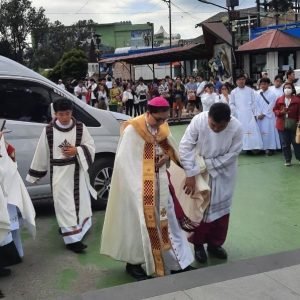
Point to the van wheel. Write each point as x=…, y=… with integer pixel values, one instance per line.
x=100, y=177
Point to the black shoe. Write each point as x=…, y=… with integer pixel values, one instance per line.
x=188, y=268
x=77, y=247
x=200, y=254
x=9, y=255
x=1, y=295
x=137, y=272
x=4, y=272
x=217, y=251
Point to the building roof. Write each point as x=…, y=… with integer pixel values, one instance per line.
x=271, y=40
x=218, y=30
x=187, y=52
x=224, y=14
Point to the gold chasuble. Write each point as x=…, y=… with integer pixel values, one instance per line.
x=150, y=189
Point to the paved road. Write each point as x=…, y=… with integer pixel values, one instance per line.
x=265, y=220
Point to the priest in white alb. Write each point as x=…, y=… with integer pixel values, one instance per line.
x=217, y=137
x=143, y=223
x=265, y=102
x=243, y=107
x=67, y=148
x=16, y=209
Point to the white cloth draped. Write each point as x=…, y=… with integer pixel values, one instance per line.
x=14, y=190
x=125, y=236
x=243, y=107
x=267, y=127
x=220, y=152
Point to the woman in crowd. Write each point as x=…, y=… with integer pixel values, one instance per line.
x=178, y=92
x=224, y=94
x=208, y=98
x=115, y=96
x=102, y=97
x=127, y=99
x=287, y=112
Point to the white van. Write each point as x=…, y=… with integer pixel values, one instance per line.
x=25, y=99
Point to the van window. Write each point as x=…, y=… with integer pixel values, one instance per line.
x=24, y=101
x=78, y=113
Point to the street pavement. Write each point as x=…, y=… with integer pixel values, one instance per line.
x=264, y=221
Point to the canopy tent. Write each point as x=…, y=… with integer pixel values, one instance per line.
x=187, y=52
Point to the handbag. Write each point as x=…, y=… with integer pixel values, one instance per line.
x=290, y=124
x=125, y=97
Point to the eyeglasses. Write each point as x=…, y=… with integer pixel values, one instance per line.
x=159, y=120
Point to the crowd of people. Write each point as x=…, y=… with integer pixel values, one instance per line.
x=255, y=106
x=126, y=96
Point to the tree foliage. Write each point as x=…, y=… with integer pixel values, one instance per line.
x=73, y=65
x=280, y=5
x=18, y=20
x=58, y=39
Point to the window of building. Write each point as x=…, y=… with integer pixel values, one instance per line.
x=258, y=64
x=286, y=61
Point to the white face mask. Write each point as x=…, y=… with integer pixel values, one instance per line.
x=288, y=91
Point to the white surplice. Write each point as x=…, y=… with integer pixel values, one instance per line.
x=69, y=176
x=221, y=98
x=243, y=107
x=267, y=127
x=277, y=91
x=220, y=152
x=208, y=100
x=125, y=236
x=14, y=199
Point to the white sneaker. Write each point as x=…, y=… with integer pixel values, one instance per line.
x=287, y=164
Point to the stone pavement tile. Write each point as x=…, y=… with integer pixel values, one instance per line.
x=246, y=288
x=171, y=296
x=290, y=277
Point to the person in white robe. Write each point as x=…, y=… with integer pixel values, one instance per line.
x=141, y=226
x=217, y=137
x=277, y=88
x=224, y=96
x=265, y=102
x=243, y=107
x=67, y=148
x=208, y=98
x=16, y=209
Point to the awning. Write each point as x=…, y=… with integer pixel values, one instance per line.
x=188, y=52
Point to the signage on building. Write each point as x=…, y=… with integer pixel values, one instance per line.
x=292, y=29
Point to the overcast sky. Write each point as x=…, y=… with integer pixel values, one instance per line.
x=185, y=13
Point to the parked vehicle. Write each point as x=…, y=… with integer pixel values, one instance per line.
x=25, y=100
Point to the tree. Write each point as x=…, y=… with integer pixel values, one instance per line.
x=58, y=39
x=18, y=20
x=280, y=6
x=73, y=65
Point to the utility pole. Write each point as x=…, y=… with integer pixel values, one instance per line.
x=170, y=29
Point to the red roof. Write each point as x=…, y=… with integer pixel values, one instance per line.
x=272, y=39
